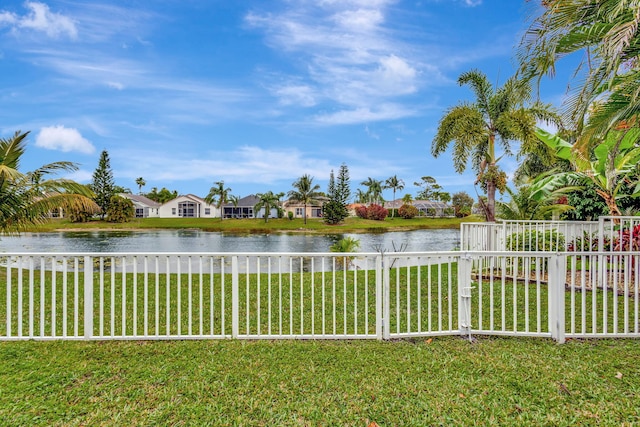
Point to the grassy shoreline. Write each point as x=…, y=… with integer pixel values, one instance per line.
x=282, y=225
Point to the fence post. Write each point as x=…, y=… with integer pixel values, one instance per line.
x=379, y=300
x=88, y=297
x=386, y=317
x=464, y=295
x=557, y=276
x=235, y=326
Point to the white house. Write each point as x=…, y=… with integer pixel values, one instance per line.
x=145, y=207
x=188, y=206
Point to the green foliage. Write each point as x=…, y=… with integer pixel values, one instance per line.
x=290, y=215
x=26, y=199
x=162, y=196
x=267, y=201
x=140, y=182
x=78, y=215
x=103, y=183
x=222, y=195
x=335, y=211
x=431, y=190
x=534, y=240
x=345, y=245
x=120, y=210
x=305, y=192
x=407, y=211
x=462, y=204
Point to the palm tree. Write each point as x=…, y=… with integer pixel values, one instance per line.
x=374, y=190
x=27, y=198
x=607, y=30
x=267, y=201
x=496, y=116
x=221, y=193
x=306, y=192
x=395, y=184
x=140, y=182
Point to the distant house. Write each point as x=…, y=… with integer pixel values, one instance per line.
x=145, y=207
x=188, y=206
x=297, y=208
x=246, y=209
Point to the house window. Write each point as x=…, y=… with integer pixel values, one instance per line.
x=187, y=209
x=316, y=212
x=207, y=211
x=298, y=211
x=139, y=213
x=173, y=211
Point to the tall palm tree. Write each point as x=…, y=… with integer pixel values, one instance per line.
x=28, y=198
x=267, y=201
x=222, y=195
x=395, y=184
x=374, y=190
x=498, y=116
x=140, y=182
x=305, y=192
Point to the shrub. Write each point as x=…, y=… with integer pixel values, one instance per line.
x=290, y=215
x=374, y=212
x=408, y=211
x=75, y=215
x=534, y=240
x=120, y=209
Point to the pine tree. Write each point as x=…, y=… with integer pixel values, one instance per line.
x=103, y=184
x=335, y=210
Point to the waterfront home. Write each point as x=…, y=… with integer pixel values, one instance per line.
x=188, y=206
x=144, y=207
x=245, y=208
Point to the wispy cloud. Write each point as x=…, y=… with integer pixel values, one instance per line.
x=63, y=139
x=347, y=56
x=39, y=18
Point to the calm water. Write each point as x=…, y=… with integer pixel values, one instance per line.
x=201, y=241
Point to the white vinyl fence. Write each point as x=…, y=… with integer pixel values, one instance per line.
x=106, y=296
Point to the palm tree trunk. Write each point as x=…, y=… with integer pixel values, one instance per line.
x=393, y=210
x=491, y=201
x=304, y=214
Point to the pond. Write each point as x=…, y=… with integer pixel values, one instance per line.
x=202, y=241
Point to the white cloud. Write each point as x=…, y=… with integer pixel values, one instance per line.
x=347, y=54
x=41, y=19
x=63, y=139
x=473, y=3
x=365, y=114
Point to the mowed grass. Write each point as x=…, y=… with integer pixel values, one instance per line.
x=440, y=381
x=350, y=225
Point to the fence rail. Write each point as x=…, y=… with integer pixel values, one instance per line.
x=319, y=296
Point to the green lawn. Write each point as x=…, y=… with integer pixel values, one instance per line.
x=350, y=225
x=444, y=381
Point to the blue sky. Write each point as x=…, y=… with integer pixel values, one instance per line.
x=256, y=92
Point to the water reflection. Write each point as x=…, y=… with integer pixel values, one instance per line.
x=179, y=241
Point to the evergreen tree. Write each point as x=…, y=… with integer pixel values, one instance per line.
x=342, y=186
x=335, y=210
x=103, y=184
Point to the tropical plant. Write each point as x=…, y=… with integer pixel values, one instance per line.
x=372, y=211
x=120, y=210
x=305, y=192
x=140, y=182
x=360, y=196
x=28, y=198
x=222, y=195
x=345, y=245
x=162, y=196
x=267, y=201
x=394, y=184
x=407, y=198
x=374, y=190
x=521, y=206
x=613, y=167
x=498, y=116
x=103, y=184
